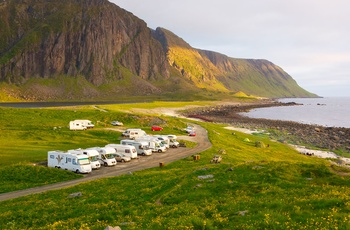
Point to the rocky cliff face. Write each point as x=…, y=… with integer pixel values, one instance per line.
x=92, y=49
x=93, y=38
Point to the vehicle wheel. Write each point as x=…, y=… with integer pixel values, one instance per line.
x=77, y=171
x=143, y=154
x=105, y=164
x=159, y=150
x=122, y=160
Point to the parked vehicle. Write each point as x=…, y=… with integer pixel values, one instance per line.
x=189, y=129
x=78, y=163
x=140, y=146
x=164, y=139
x=92, y=155
x=174, y=143
x=76, y=125
x=133, y=133
x=153, y=143
x=120, y=157
x=192, y=134
x=117, y=123
x=105, y=156
x=156, y=128
x=127, y=150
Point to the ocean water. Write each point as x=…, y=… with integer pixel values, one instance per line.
x=329, y=111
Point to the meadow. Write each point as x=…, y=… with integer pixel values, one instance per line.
x=252, y=188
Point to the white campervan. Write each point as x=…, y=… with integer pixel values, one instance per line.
x=105, y=155
x=133, y=133
x=80, y=125
x=76, y=125
x=173, y=141
x=127, y=150
x=153, y=143
x=164, y=139
x=78, y=163
x=140, y=146
x=92, y=155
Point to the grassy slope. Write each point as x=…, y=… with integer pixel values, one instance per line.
x=274, y=187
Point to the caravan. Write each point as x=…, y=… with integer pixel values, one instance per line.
x=92, y=155
x=153, y=143
x=78, y=163
x=140, y=146
x=105, y=155
x=133, y=133
x=170, y=140
x=164, y=139
x=127, y=150
x=80, y=125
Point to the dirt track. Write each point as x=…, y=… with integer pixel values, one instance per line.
x=142, y=163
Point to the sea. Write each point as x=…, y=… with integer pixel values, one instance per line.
x=327, y=111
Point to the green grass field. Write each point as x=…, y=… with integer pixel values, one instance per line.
x=252, y=188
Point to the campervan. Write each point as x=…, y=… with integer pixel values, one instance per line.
x=164, y=139
x=127, y=150
x=87, y=123
x=153, y=143
x=80, y=125
x=133, y=133
x=78, y=163
x=76, y=125
x=105, y=155
x=140, y=146
x=92, y=155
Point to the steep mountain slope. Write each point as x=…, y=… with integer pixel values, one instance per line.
x=91, y=38
x=94, y=50
x=216, y=71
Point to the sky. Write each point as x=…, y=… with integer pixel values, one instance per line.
x=309, y=39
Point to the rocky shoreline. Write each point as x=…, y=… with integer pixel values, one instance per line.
x=331, y=138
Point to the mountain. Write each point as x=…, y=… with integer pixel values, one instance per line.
x=94, y=50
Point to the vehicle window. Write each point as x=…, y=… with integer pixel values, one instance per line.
x=127, y=150
x=52, y=157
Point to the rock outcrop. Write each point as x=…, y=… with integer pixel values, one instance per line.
x=93, y=49
x=92, y=38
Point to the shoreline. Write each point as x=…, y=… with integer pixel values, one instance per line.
x=330, y=138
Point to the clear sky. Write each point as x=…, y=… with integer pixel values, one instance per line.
x=309, y=39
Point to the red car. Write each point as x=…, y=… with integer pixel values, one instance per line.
x=192, y=134
x=156, y=128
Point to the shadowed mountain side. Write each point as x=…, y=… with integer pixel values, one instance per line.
x=93, y=49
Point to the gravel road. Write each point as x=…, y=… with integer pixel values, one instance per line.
x=144, y=162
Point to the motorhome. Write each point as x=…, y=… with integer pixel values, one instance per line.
x=92, y=155
x=140, y=146
x=80, y=125
x=87, y=123
x=78, y=163
x=127, y=150
x=105, y=155
x=174, y=143
x=153, y=143
x=133, y=133
x=164, y=139
x=73, y=125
